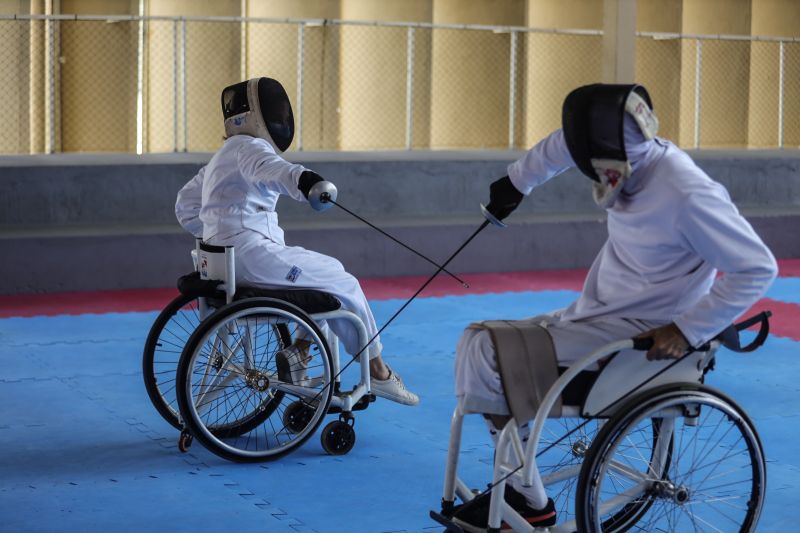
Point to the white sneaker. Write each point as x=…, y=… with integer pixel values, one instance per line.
x=292, y=365
x=392, y=388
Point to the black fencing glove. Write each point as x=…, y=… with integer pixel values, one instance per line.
x=503, y=198
x=318, y=191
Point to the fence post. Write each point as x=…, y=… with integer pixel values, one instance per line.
x=175, y=85
x=140, y=82
x=409, y=87
x=301, y=45
x=51, y=85
x=512, y=91
x=183, y=84
x=243, y=44
x=780, y=94
x=697, y=74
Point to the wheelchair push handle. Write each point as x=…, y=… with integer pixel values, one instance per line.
x=642, y=344
x=728, y=337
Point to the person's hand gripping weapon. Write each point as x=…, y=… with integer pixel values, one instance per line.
x=504, y=198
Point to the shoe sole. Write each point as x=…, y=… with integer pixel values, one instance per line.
x=392, y=398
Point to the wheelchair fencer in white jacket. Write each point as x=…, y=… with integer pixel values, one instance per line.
x=232, y=200
x=671, y=229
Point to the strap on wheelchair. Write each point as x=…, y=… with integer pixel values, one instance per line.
x=730, y=335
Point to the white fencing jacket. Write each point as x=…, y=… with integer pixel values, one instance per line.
x=238, y=190
x=231, y=202
x=669, y=232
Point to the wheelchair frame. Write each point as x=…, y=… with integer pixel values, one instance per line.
x=215, y=263
x=520, y=461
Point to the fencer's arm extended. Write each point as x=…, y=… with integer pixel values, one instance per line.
x=548, y=158
x=714, y=229
x=187, y=206
x=259, y=164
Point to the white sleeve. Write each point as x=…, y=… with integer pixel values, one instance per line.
x=262, y=166
x=714, y=229
x=548, y=158
x=187, y=206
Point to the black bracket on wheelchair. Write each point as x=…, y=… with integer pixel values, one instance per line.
x=192, y=285
x=730, y=335
x=360, y=405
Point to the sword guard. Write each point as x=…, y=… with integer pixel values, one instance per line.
x=491, y=218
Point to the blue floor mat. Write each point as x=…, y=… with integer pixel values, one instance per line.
x=83, y=449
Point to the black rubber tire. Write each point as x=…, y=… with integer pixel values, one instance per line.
x=195, y=427
x=153, y=342
x=338, y=437
x=297, y=415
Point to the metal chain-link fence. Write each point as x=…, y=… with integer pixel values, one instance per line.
x=723, y=91
x=152, y=84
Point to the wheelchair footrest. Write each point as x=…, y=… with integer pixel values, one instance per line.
x=360, y=405
x=446, y=522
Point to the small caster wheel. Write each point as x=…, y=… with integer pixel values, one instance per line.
x=297, y=416
x=185, y=441
x=338, y=437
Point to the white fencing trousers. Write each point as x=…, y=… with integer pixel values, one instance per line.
x=478, y=386
x=262, y=262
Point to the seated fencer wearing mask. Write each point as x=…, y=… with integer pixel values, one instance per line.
x=671, y=228
x=231, y=202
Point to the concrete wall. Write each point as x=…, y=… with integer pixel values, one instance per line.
x=82, y=222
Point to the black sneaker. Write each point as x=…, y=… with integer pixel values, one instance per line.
x=473, y=516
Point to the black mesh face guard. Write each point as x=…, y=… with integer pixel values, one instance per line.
x=276, y=109
x=259, y=107
x=234, y=100
x=593, y=123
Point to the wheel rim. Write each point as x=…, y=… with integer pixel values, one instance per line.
x=714, y=479
x=232, y=375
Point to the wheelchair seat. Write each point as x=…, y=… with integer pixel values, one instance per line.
x=309, y=300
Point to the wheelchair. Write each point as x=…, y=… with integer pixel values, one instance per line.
x=672, y=454
x=212, y=365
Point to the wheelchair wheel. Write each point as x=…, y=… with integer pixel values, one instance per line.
x=338, y=437
x=163, y=348
x=167, y=337
x=229, y=393
x=704, y=470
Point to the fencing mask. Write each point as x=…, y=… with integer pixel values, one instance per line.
x=259, y=107
x=593, y=120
